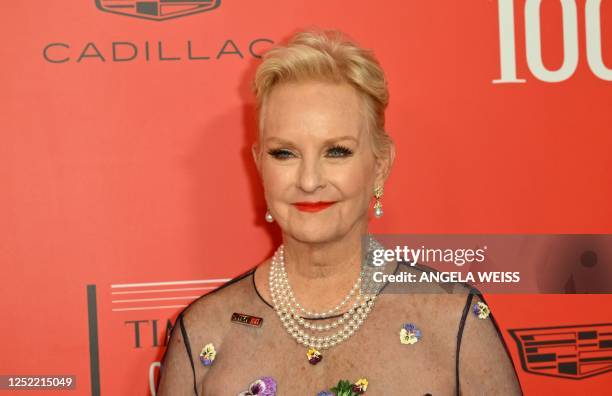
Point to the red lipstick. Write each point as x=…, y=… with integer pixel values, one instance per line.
x=313, y=206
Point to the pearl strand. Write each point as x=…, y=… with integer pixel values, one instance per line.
x=324, y=342
x=285, y=288
x=285, y=305
x=306, y=312
x=290, y=311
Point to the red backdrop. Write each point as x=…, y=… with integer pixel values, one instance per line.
x=136, y=170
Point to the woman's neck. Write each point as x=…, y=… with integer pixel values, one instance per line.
x=322, y=260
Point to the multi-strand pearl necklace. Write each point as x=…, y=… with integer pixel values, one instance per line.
x=291, y=312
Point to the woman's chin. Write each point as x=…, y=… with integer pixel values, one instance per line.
x=314, y=233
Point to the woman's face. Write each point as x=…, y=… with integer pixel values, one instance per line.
x=316, y=160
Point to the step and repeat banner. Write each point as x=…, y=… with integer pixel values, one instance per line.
x=127, y=188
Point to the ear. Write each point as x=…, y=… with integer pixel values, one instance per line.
x=384, y=164
x=256, y=156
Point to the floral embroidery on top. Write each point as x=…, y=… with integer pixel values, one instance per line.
x=360, y=386
x=314, y=356
x=346, y=388
x=208, y=354
x=409, y=334
x=481, y=310
x=264, y=386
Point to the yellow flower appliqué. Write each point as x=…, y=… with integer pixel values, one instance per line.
x=409, y=334
x=313, y=356
x=362, y=384
x=481, y=310
x=208, y=354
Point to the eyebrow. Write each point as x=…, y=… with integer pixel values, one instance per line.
x=327, y=141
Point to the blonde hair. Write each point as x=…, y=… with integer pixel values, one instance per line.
x=328, y=56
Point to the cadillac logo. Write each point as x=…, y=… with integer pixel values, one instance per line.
x=573, y=352
x=157, y=10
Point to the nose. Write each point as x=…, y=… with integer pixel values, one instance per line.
x=310, y=177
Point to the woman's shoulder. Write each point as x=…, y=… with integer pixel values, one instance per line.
x=202, y=323
x=207, y=311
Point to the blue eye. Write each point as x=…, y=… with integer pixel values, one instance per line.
x=339, y=152
x=280, y=153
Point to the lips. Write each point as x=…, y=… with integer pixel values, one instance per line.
x=313, y=206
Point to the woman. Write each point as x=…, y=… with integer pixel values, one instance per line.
x=310, y=317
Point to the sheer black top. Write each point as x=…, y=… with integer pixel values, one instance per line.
x=432, y=366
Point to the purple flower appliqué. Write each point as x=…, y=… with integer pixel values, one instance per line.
x=207, y=356
x=265, y=386
x=411, y=328
x=409, y=334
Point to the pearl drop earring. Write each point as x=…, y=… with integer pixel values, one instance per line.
x=269, y=217
x=378, y=193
